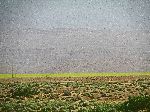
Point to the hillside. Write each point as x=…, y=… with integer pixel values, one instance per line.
x=74, y=50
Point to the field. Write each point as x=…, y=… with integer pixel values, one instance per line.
x=74, y=74
x=108, y=93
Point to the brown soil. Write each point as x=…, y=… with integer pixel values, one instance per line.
x=101, y=89
x=75, y=79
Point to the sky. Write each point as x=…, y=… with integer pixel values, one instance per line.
x=99, y=14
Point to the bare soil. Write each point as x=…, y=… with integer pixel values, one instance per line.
x=101, y=89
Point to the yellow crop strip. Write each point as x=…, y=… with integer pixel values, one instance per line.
x=75, y=74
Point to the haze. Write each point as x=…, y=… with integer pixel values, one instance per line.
x=47, y=36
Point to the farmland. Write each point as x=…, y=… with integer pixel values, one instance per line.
x=75, y=94
x=74, y=55
x=75, y=74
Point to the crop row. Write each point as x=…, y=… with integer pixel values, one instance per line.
x=104, y=96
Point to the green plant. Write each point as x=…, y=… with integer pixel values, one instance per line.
x=135, y=104
x=100, y=108
x=67, y=93
x=25, y=90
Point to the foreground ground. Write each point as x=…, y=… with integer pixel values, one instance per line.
x=71, y=94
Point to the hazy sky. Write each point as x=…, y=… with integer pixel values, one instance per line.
x=46, y=14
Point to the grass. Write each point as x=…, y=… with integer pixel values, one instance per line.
x=75, y=74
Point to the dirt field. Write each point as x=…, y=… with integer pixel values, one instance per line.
x=88, y=88
x=75, y=79
x=70, y=94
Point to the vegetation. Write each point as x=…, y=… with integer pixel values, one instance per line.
x=102, y=96
x=75, y=74
x=25, y=90
x=81, y=106
x=136, y=104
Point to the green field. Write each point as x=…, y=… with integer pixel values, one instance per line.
x=84, y=94
x=131, y=95
x=75, y=74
